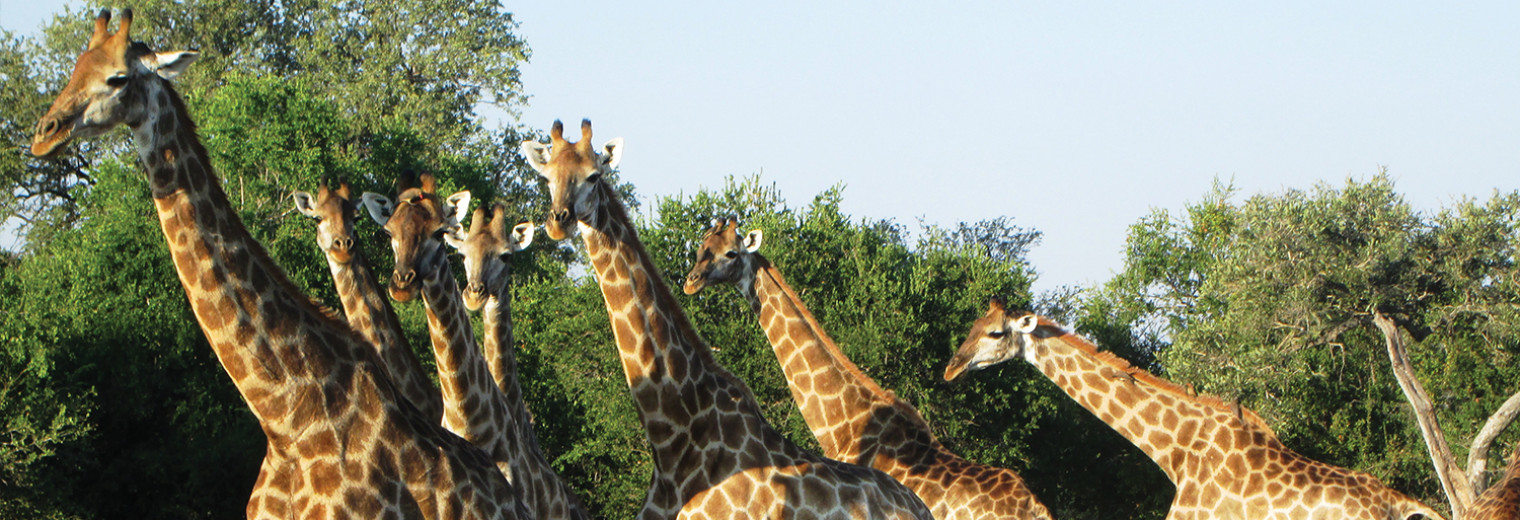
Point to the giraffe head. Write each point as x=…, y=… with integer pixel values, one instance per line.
x=723, y=256
x=108, y=87
x=998, y=336
x=416, y=223
x=574, y=173
x=484, y=246
x=334, y=211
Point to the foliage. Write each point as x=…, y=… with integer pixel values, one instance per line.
x=383, y=63
x=114, y=406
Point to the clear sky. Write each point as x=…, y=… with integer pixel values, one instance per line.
x=1073, y=119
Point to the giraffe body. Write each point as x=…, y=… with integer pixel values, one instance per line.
x=351, y=444
x=1502, y=500
x=1225, y=461
x=488, y=289
x=853, y=418
x=715, y=456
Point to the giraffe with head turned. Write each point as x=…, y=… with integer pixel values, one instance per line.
x=1225, y=461
x=321, y=395
x=416, y=222
x=1502, y=500
x=715, y=456
x=853, y=418
x=488, y=288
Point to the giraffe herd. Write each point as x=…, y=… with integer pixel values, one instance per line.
x=355, y=427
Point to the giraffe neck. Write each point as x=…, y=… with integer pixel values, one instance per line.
x=546, y=494
x=473, y=407
x=1174, y=429
x=691, y=408
x=498, y=342
x=370, y=314
x=272, y=341
x=846, y=410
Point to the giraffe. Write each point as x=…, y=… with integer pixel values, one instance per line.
x=368, y=311
x=714, y=455
x=474, y=408
x=1502, y=500
x=1225, y=461
x=853, y=418
x=488, y=289
x=319, y=393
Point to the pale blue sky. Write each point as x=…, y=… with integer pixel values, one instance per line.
x=1074, y=120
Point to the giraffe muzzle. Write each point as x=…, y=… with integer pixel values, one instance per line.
x=403, y=279
x=401, y=288
x=52, y=133
x=694, y=283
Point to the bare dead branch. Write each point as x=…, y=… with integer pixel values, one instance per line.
x=1477, y=458
x=1454, y=481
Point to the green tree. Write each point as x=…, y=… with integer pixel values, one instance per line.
x=383, y=63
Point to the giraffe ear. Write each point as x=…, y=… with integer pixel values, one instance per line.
x=458, y=206
x=169, y=65
x=380, y=207
x=613, y=154
x=537, y=155
x=752, y=241
x=306, y=204
x=1026, y=323
x=522, y=236
x=455, y=238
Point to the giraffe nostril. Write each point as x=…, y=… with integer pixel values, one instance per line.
x=406, y=277
x=49, y=126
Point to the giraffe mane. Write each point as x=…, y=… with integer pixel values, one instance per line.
x=833, y=349
x=1249, y=418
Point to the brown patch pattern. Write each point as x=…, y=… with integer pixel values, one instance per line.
x=341, y=440
x=714, y=454
x=853, y=418
x=1223, y=459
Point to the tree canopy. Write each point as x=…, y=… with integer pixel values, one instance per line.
x=115, y=407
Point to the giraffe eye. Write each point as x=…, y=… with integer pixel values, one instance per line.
x=593, y=177
x=731, y=254
x=117, y=81
x=996, y=334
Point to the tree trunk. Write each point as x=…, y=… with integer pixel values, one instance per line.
x=1454, y=481
x=1477, y=458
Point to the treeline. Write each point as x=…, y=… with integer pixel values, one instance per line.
x=115, y=407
